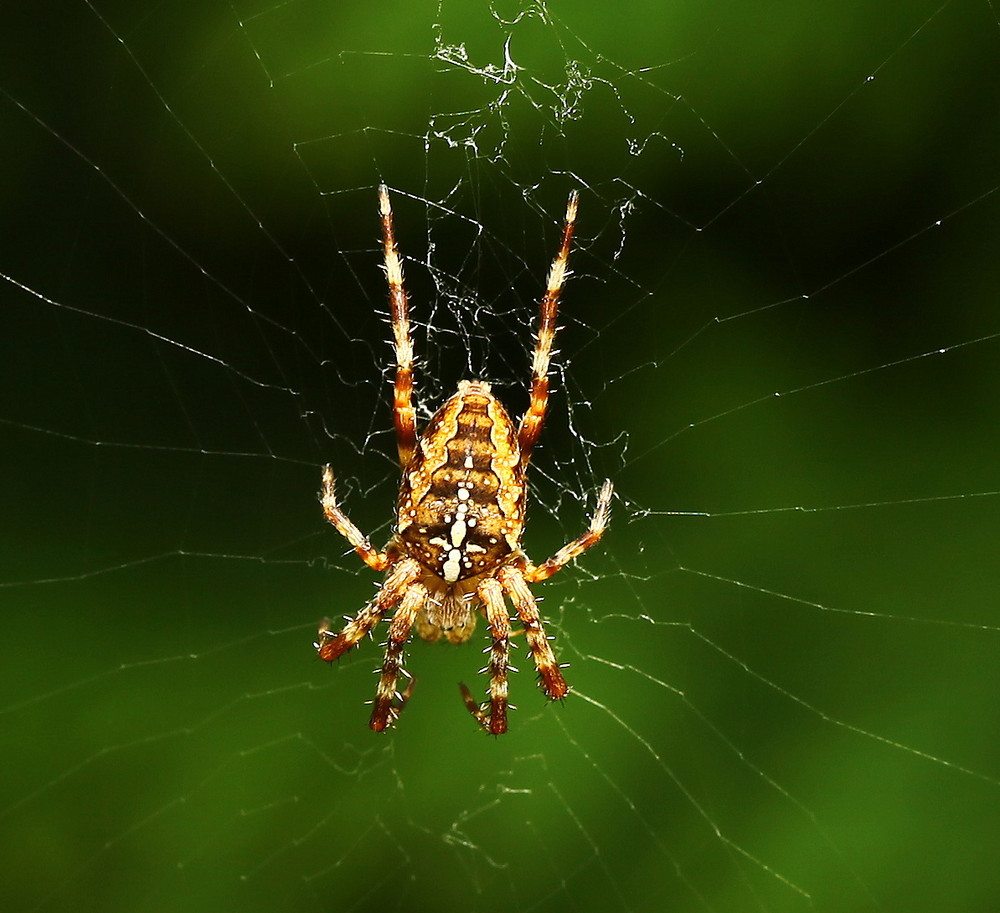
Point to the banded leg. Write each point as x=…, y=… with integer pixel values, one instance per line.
x=494, y=722
x=534, y=417
x=598, y=524
x=404, y=415
x=371, y=556
x=389, y=702
x=332, y=646
x=549, y=672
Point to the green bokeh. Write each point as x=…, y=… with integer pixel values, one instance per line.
x=777, y=708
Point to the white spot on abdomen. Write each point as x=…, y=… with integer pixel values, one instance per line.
x=452, y=567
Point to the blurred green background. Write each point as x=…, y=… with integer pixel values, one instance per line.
x=784, y=655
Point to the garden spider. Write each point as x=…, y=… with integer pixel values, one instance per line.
x=456, y=547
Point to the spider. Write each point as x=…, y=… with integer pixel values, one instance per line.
x=455, y=552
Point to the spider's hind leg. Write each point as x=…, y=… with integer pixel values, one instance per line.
x=403, y=411
x=534, y=418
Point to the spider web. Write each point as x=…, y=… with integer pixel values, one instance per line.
x=780, y=341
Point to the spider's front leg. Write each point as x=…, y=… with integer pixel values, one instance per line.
x=332, y=646
x=515, y=580
x=388, y=701
x=549, y=671
x=495, y=722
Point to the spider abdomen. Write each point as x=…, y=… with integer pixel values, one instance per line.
x=461, y=503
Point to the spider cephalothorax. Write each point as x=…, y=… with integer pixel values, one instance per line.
x=456, y=551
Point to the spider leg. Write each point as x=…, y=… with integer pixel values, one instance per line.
x=403, y=412
x=534, y=417
x=495, y=722
x=598, y=523
x=388, y=701
x=549, y=672
x=332, y=646
x=371, y=556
